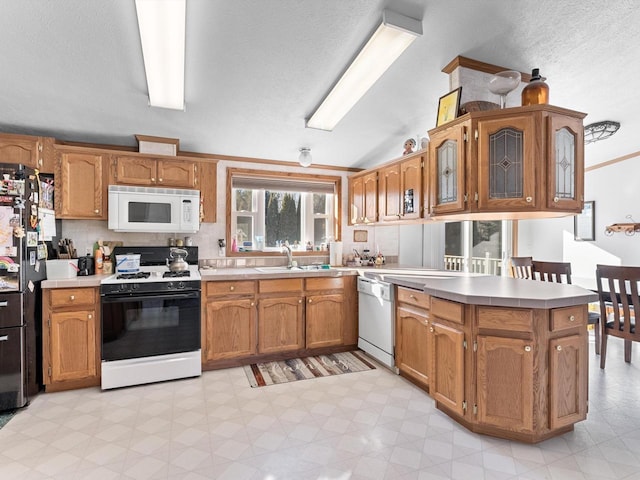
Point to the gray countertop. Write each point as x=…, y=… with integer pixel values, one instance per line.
x=456, y=286
x=497, y=291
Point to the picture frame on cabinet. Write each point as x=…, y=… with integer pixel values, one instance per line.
x=448, y=107
x=584, y=225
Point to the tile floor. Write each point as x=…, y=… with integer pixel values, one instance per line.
x=368, y=425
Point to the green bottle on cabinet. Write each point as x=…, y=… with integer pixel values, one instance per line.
x=536, y=92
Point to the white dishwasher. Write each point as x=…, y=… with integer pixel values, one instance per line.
x=376, y=320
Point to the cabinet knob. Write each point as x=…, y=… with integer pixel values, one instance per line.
x=310, y=301
x=96, y=211
x=431, y=330
x=253, y=304
x=527, y=348
x=426, y=322
x=300, y=301
x=153, y=179
x=72, y=297
x=160, y=180
x=89, y=316
x=555, y=199
x=412, y=296
x=558, y=347
x=232, y=288
x=529, y=199
x=572, y=318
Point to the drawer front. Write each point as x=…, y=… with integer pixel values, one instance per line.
x=568, y=317
x=68, y=297
x=10, y=310
x=447, y=310
x=511, y=319
x=414, y=297
x=280, y=285
x=230, y=288
x=324, y=283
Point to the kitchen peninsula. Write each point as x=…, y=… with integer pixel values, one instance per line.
x=501, y=356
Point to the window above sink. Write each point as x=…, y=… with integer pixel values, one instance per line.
x=268, y=209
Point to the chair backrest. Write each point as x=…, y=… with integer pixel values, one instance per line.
x=559, y=272
x=618, y=290
x=521, y=267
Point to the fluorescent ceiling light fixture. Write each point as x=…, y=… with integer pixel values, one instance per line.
x=388, y=42
x=162, y=34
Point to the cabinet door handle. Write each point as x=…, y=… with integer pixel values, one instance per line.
x=4, y=338
x=556, y=199
x=559, y=348
x=4, y=303
x=529, y=199
x=572, y=318
x=72, y=297
x=527, y=348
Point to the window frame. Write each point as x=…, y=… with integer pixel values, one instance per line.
x=231, y=214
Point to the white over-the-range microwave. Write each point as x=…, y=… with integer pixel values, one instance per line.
x=146, y=209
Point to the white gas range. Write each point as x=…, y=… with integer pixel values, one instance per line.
x=150, y=321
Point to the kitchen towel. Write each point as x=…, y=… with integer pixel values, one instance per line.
x=335, y=254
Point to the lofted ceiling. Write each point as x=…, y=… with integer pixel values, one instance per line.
x=255, y=69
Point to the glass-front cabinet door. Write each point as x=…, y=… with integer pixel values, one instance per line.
x=448, y=162
x=411, y=184
x=506, y=163
x=565, y=166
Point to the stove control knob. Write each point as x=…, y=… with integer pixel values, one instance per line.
x=170, y=285
x=180, y=284
x=135, y=286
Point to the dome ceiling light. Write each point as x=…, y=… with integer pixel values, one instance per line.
x=594, y=132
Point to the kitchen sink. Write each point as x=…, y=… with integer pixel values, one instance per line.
x=282, y=269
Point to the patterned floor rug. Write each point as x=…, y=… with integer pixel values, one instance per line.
x=6, y=416
x=272, y=373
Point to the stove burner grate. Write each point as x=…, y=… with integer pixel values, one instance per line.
x=131, y=276
x=182, y=273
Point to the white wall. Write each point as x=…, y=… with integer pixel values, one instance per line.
x=615, y=189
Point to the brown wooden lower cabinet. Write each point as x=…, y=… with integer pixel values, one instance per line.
x=414, y=347
x=71, y=340
x=280, y=324
x=246, y=321
x=231, y=329
x=516, y=373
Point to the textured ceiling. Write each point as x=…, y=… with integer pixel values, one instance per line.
x=255, y=69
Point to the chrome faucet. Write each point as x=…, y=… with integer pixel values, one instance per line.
x=287, y=250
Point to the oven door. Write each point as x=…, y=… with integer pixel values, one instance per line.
x=150, y=324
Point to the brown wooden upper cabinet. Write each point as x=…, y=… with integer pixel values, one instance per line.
x=400, y=189
x=34, y=152
x=523, y=162
x=80, y=178
x=363, y=198
x=154, y=171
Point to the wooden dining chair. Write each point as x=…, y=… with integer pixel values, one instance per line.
x=618, y=290
x=560, y=272
x=521, y=267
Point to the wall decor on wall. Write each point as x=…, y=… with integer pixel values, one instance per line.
x=584, y=227
x=360, y=235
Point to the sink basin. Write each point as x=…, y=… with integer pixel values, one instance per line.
x=303, y=268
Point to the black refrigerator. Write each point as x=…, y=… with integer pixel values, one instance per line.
x=23, y=251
